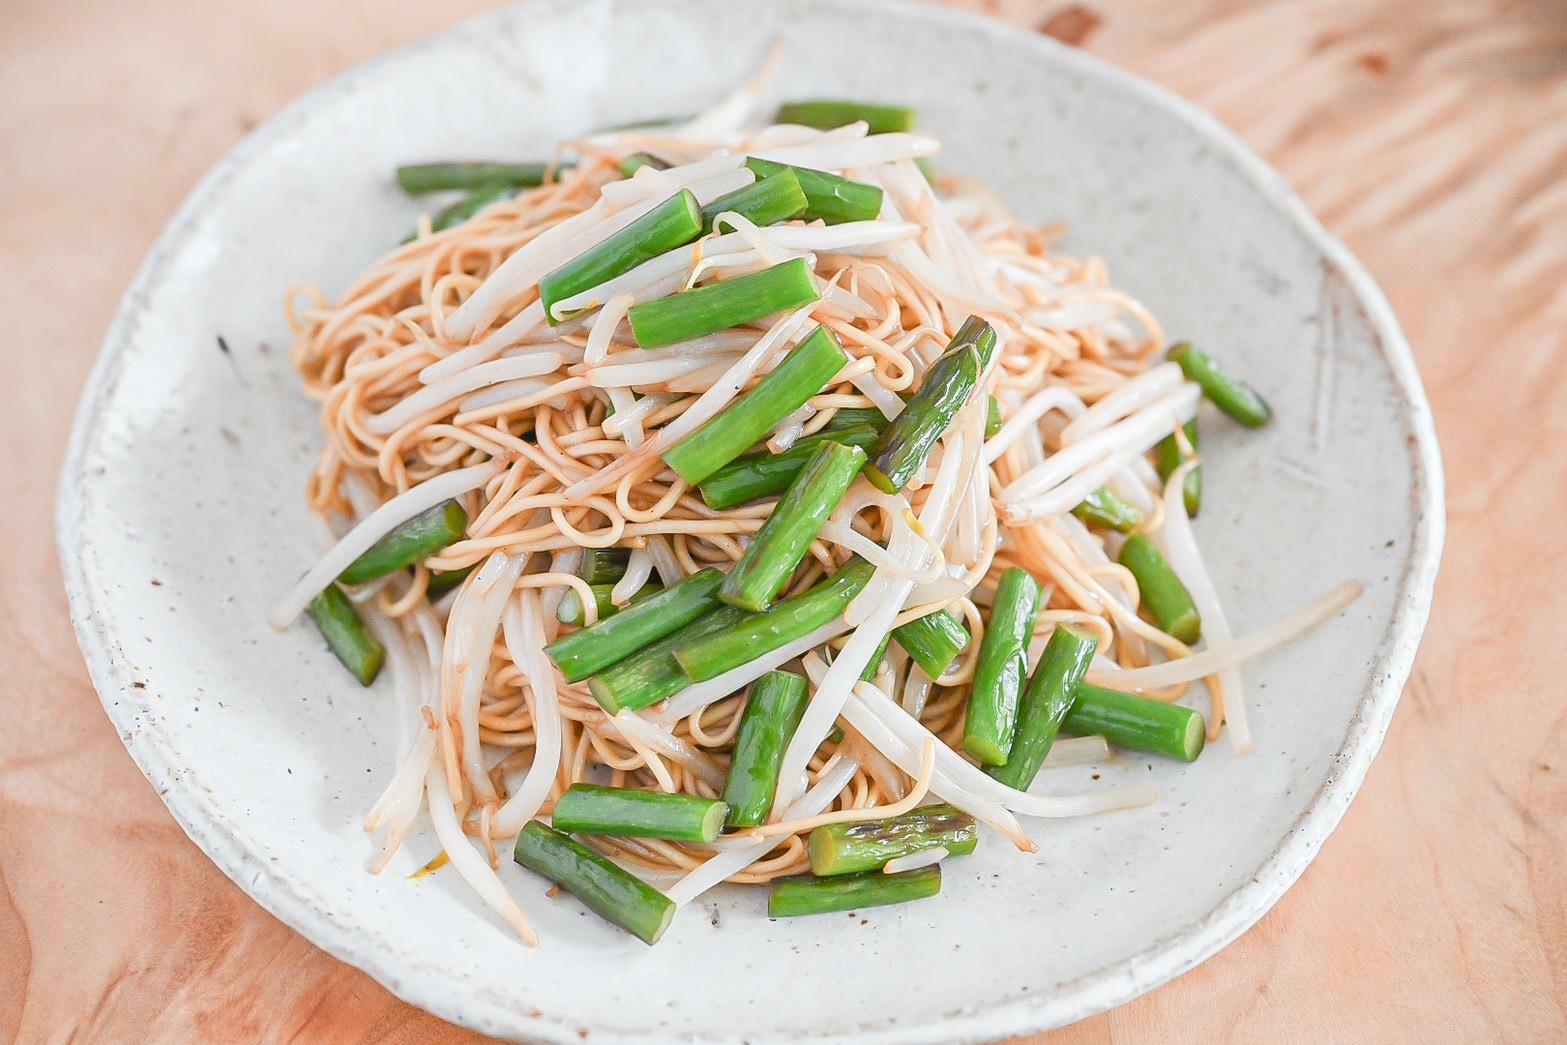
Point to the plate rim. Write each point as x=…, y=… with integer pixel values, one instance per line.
x=420, y=983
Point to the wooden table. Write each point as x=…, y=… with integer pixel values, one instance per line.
x=1429, y=134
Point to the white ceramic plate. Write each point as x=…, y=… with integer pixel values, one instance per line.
x=182, y=518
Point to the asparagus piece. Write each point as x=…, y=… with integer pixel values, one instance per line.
x=653, y=674
x=763, y=475
x=708, y=656
x=873, y=665
x=993, y=419
x=1045, y=703
x=603, y=565
x=1001, y=668
x=1136, y=722
x=764, y=202
x=803, y=373
x=441, y=583
x=465, y=208
x=772, y=713
x=854, y=417
x=611, y=892
x=719, y=306
x=825, y=114
x=584, y=652
x=1227, y=392
x=933, y=640
x=904, y=445
x=673, y=223
x=420, y=178
x=1163, y=593
x=1104, y=507
x=409, y=543
x=868, y=844
x=1168, y=456
x=637, y=160
x=346, y=635
x=779, y=546
x=792, y=897
x=833, y=199
x=570, y=611
x=625, y=812
x=470, y=205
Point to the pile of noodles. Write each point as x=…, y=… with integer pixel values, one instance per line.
x=438, y=377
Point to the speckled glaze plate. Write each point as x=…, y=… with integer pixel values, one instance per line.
x=182, y=518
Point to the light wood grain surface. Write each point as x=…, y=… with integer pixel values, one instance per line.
x=1431, y=135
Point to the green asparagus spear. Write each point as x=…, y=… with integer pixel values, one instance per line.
x=1104, y=507
x=1045, y=703
x=1227, y=392
x=792, y=897
x=831, y=198
x=755, y=634
x=772, y=713
x=786, y=536
x=764, y=202
x=420, y=178
x=1001, y=668
x=603, y=565
x=610, y=891
x=637, y=160
x=612, y=641
x=1168, y=456
x=673, y=223
x=719, y=306
x=802, y=374
x=1136, y=722
x=465, y=208
x=409, y=543
x=570, y=610
x=1162, y=591
x=825, y=114
x=868, y=844
x=764, y=475
x=873, y=665
x=346, y=635
x=653, y=674
x=854, y=417
x=626, y=812
x=441, y=583
x=933, y=640
x=905, y=443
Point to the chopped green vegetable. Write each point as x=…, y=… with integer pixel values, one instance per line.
x=409, y=543
x=720, y=306
x=779, y=546
x=626, y=812
x=613, y=641
x=673, y=223
x=866, y=845
x=831, y=198
x=346, y=635
x=1162, y=591
x=792, y=897
x=825, y=114
x=772, y=713
x=610, y=891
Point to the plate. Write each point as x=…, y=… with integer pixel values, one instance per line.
x=182, y=519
